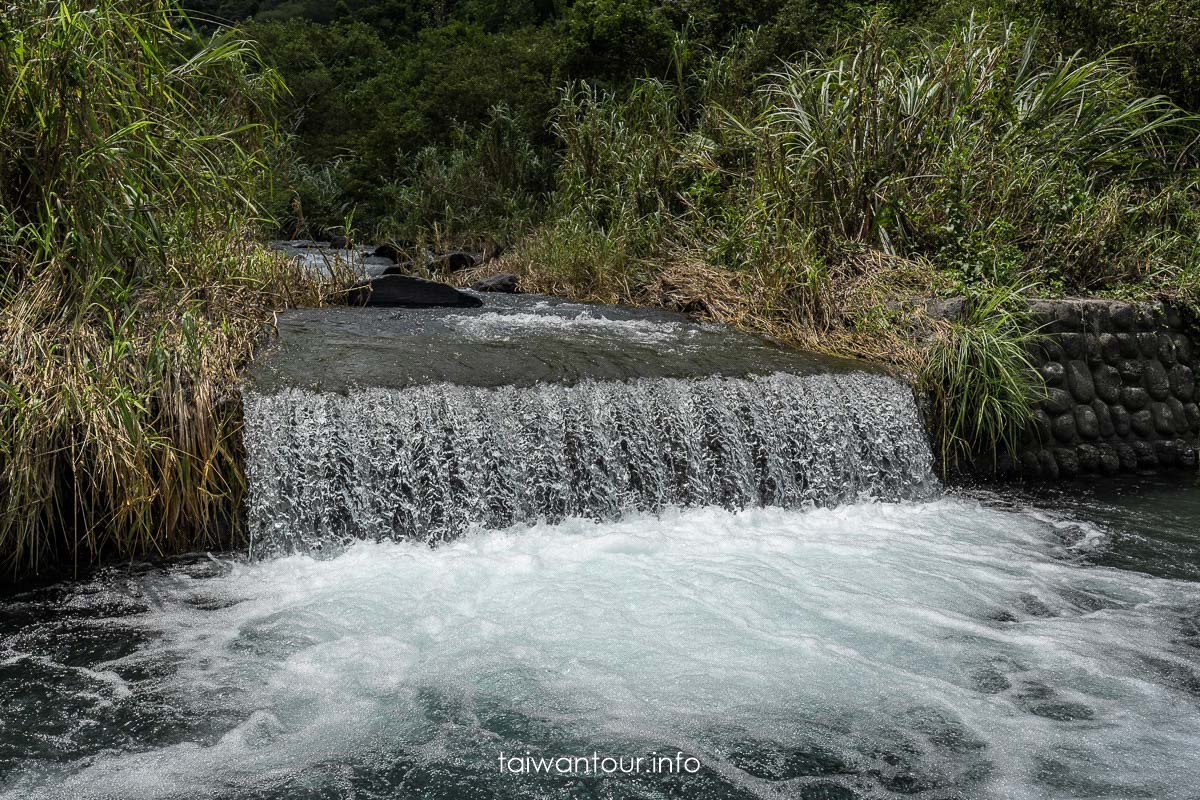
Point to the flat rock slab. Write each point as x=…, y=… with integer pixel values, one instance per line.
x=513, y=340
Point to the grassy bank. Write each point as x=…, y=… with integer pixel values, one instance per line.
x=813, y=203
x=131, y=152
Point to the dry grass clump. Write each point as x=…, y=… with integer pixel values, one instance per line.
x=130, y=294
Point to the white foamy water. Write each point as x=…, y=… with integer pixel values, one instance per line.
x=493, y=326
x=432, y=462
x=946, y=648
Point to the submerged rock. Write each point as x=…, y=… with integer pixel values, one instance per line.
x=408, y=292
x=505, y=282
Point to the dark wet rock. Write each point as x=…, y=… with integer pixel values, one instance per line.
x=1122, y=424
x=1166, y=349
x=1089, y=458
x=1164, y=420
x=1079, y=381
x=1142, y=423
x=393, y=250
x=1183, y=348
x=1182, y=381
x=1148, y=344
x=1180, y=415
x=1146, y=457
x=1107, y=381
x=1086, y=422
x=1188, y=457
x=1122, y=316
x=1156, y=382
x=1048, y=464
x=1144, y=319
x=408, y=292
x=1128, y=343
x=1109, y=348
x=1063, y=427
x=1053, y=373
x=1103, y=419
x=1168, y=451
x=1131, y=371
x=1039, y=430
x=1067, y=460
x=1110, y=461
x=1052, y=351
x=1172, y=317
x=1057, y=401
x=1074, y=345
x=454, y=261
x=1127, y=456
x=505, y=282
x=1034, y=607
x=1029, y=463
x=339, y=242
x=1191, y=413
x=1134, y=398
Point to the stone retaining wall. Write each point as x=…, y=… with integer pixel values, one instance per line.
x=1121, y=390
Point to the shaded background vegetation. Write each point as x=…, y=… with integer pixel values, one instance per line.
x=382, y=90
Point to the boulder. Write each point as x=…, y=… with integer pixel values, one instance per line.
x=1183, y=382
x=1127, y=457
x=1053, y=373
x=1108, y=383
x=1086, y=422
x=1148, y=344
x=404, y=291
x=454, y=261
x=505, y=282
x=1057, y=401
x=393, y=250
x=1104, y=419
x=1122, y=423
x=1134, y=398
x=1156, y=381
x=1166, y=349
x=1089, y=458
x=1064, y=428
x=1079, y=381
x=1074, y=345
x=1110, y=461
x=1143, y=423
x=1110, y=348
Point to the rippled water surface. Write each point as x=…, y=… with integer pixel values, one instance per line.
x=953, y=648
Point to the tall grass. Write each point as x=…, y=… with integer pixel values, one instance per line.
x=817, y=206
x=130, y=156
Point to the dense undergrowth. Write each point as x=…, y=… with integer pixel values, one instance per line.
x=817, y=202
x=130, y=291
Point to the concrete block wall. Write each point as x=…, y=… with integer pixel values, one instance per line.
x=1121, y=390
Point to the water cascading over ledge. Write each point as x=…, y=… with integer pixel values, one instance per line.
x=370, y=424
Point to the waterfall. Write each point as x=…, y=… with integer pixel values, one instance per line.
x=435, y=461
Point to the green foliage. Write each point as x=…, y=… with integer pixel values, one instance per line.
x=981, y=379
x=973, y=152
x=130, y=154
